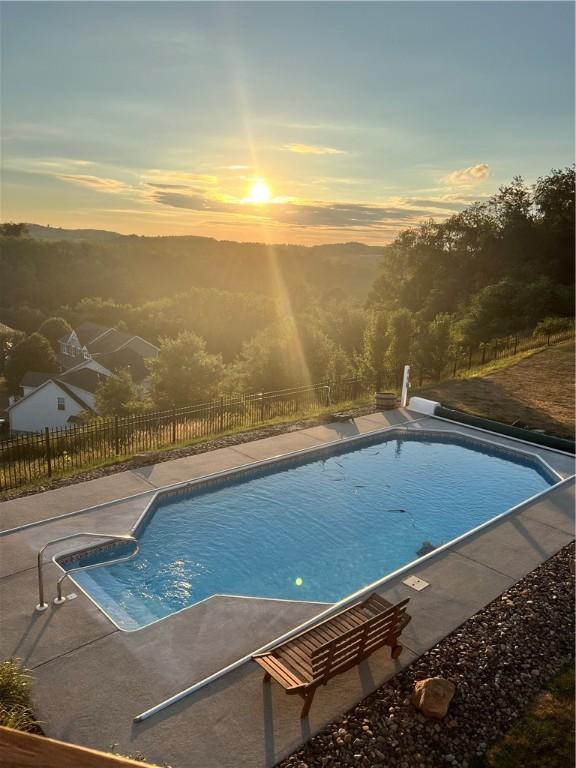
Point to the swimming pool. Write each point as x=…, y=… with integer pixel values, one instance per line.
x=313, y=527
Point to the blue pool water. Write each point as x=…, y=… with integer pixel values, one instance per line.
x=315, y=530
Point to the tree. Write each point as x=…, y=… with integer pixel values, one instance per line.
x=289, y=353
x=554, y=325
x=375, y=343
x=11, y=229
x=401, y=330
x=511, y=306
x=118, y=396
x=33, y=353
x=55, y=328
x=434, y=344
x=9, y=338
x=23, y=317
x=184, y=373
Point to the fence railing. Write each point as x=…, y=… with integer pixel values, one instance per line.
x=28, y=458
x=465, y=359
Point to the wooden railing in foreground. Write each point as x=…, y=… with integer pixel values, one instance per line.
x=25, y=750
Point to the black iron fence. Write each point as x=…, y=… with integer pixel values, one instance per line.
x=465, y=359
x=53, y=452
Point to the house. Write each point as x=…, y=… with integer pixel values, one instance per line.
x=54, y=400
x=107, y=345
x=86, y=357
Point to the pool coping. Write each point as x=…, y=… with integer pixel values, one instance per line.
x=285, y=459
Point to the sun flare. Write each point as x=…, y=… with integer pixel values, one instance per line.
x=259, y=192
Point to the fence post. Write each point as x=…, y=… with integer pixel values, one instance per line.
x=173, y=425
x=470, y=358
x=516, y=344
x=405, y=386
x=261, y=406
x=116, y=436
x=548, y=338
x=354, y=390
x=496, y=349
x=221, y=416
x=455, y=368
x=48, y=451
x=483, y=352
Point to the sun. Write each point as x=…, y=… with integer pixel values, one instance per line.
x=259, y=192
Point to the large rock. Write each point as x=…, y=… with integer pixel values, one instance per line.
x=433, y=696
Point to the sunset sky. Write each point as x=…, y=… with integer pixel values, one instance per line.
x=286, y=122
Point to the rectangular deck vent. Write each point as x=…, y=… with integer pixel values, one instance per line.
x=415, y=583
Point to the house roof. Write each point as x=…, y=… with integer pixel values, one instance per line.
x=125, y=359
x=85, y=379
x=110, y=342
x=35, y=378
x=85, y=362
x=74, y=395
x=141, y=346
x=61, y=385
x=67, y=361
x=88, y=332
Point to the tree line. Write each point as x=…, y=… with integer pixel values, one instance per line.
x=500, y=267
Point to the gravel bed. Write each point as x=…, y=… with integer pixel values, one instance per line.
x=157, y=457
x=499, y=659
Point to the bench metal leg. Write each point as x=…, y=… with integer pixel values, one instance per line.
x=396, y=649
x=307, y=704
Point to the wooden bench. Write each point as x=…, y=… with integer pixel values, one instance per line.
x=335, y=645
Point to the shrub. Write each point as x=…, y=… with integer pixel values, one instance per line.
x=554, y=325
x=15, y=697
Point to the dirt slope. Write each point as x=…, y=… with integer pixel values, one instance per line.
x=537, y=392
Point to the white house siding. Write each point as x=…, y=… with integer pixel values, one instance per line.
x=40, y=409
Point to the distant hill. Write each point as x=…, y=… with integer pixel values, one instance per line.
x=338, y=251
x=58, y=233
x=132, y=269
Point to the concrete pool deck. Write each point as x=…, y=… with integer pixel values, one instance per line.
x=92, y=679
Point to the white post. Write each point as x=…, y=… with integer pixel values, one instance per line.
x=405, y=386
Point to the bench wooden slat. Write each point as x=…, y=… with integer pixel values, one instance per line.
x=335, y=645
x=276, y=669
x=372, y=628
x=301, y=665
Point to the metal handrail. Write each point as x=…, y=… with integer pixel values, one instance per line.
x=59, y=599
x=42, y=605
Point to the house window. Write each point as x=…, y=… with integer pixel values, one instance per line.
x=61, y=404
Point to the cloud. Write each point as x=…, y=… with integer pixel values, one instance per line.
x=345, y=215
x=449, y=205
x=467, y=176
x=173, y=186
x=302, y=214
x=96, y=182
x=196, y=202
x=312, y=149
x=180, y=178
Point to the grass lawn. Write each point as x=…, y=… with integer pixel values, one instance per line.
x=544, y=737
x=534, y=390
